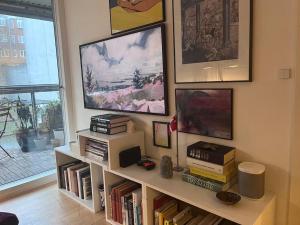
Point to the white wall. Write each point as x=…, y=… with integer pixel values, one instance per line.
x=262, y=109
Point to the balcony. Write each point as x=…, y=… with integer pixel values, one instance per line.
x=34, y=128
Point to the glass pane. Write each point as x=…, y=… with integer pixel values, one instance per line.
x=49, y=117
x=27, y=52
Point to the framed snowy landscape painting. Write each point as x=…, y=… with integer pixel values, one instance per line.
x=126, y=73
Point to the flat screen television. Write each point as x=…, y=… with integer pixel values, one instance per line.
x=126, y=73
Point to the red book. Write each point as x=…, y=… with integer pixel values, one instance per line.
x=160, y=200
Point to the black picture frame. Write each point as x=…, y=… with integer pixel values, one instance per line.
x=167, y=133
x=138, y=27
x=164, y=75
x=195, y=68
x=231, y=108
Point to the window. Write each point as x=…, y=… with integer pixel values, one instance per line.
x=13, y=39
x=15, y=53
x=12, y=23
x=6, y=53
x=2, y=22
x=1, y=53
x=21, y=39
x=20, y=24
x=3, y=37
x=22, y=53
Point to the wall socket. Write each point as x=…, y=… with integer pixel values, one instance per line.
x=285, y=73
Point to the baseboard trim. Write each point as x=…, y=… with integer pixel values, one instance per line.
x=27, y=185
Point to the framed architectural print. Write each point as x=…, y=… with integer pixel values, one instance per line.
x=161, y=134
x=126, y=15
x=126, y=73
x=206, y=112
x=212, y=40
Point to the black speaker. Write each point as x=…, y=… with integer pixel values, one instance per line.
x=130, y=156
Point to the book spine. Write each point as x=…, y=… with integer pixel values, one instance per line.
x=207, y=156
x=211, y=175
x=130, y=212
x=208, y=166
x=207, y=184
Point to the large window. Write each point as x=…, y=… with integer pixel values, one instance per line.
x=29, y=88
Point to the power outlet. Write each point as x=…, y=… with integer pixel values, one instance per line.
x=285, y=74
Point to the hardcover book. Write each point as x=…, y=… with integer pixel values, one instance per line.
x=213, y=153
x=110, y=118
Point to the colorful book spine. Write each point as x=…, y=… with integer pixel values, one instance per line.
x=211, y=175
x=211, y=166
x=207, y=183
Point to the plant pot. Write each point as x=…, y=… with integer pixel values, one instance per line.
x=25, y=139
x=40, y=143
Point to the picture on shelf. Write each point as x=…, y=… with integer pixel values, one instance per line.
x=213, y=38
x=210, y=30
x=131, y=14
x=206, y=112
x=161, y=134
x=126, y=73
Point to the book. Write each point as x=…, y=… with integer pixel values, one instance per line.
x=213, y=153
x=109, y=131
x=172, y=209
x=160, y=200
x=196, y=220
x=71, y=175
x=185, y=219
x=110, y=118
x=209, y=219
x=87, y=189
x=110, y=125
x=169, y=218
x=207, y=183
x=140, y=215
x=179, y=216
x=83, y=172
x=211, y=166
x=162, y=208
x=214, y=176
x=137, y=201
x=130, y=212
x=63, y=168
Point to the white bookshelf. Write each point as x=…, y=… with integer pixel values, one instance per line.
x=246, y=212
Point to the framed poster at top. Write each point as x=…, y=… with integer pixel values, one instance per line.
x=126, y=15
x=212, y=40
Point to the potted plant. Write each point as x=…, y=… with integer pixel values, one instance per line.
x=25, y=131
x=55, y=120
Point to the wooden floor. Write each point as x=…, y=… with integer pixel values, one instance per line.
x=47, y=206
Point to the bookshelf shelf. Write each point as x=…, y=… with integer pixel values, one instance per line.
x=86, y=203
x=247, y=212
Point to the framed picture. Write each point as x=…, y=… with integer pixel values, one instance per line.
x=127, y=15
x=206, y=112
x=212, y=40
x=126, y=73
x=161, y=134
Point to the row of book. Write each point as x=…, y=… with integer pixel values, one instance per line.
x=109, y=123
x=212, y=165
x=97, y=150
x=126, y=203
x=75, y=177
x=167, y=211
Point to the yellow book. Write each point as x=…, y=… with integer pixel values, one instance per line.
x=166, y=212
x=214, y=176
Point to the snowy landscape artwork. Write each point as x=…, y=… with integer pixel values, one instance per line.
x=126, y=73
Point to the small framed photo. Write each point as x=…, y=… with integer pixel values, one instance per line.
x=161, y=134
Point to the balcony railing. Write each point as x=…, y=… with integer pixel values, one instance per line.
x=41, y=105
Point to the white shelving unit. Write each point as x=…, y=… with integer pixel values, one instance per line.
x=246, y=212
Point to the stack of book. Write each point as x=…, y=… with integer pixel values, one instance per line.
x=97, y=150
x=109, y=123
x=211, y=166
x=126, y=203
x=166, y=212
x=75, y=177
